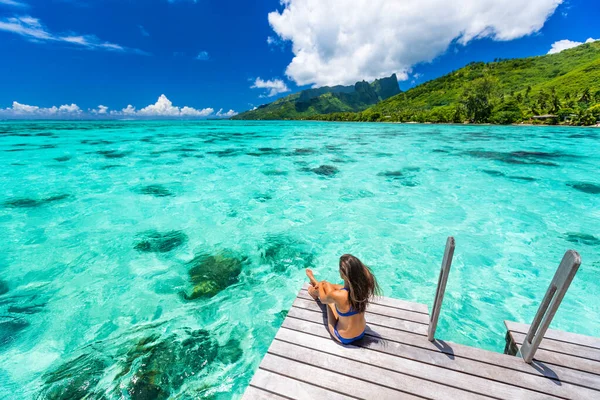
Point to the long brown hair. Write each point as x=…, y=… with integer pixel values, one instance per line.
x=362, y=285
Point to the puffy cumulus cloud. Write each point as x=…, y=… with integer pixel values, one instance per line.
x=33, y=29
x=227, y=114
x=273, y=86
x=163, y=108
x=565, y=44
x=101, y=110
x=19, y=110
x=335, y=42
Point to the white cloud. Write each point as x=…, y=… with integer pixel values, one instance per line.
x=337, y=43
x=227, y=114
x=73, y=108
x=129, y=110
x=33, y=29
x=274, y=86
x=163, y=108
x=27, y=111
x=13, y=3
x=101, y=110
x=202, y=56
x=565, y=44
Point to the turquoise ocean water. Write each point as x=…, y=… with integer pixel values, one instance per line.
x=157, y=259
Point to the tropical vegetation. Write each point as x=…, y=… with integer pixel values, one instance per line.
x=561, y=88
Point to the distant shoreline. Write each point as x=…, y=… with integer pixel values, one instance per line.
x=295, y=120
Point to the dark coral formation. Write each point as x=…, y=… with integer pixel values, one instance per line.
x=75, y=379
x=493, y=172
x=522, y=178
x=392, y=174
x=585, y=187
x=95, y=142
x=231, y=352
x=155, y=190
x=211, y=274
x=156, y=242
x=152, y=367
x=325, y=170
x=63, y=158
x=111, y=154
x=32, y=203
x=283, y=253
x=275, y=172
x=521, y=157
x=406, y=177
x=9, y=328
x=583, y=238
x=265, y=151
x=110, y=166
x=155, y=367
x=263, y=197
x=232, y=152
x=3, y=287
x=303, y=152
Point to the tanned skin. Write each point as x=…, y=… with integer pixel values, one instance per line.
x=332, y=295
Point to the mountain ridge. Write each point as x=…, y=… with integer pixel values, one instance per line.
x=565, y=85
x=326, y=99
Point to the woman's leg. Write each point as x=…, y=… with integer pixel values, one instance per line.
x=332, y=319
x=313, y=291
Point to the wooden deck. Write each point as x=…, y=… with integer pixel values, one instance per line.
x=396, y=361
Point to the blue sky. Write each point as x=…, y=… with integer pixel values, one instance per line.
x=213, y=56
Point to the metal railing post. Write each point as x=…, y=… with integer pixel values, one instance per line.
x=554, y=295
x=441, y=288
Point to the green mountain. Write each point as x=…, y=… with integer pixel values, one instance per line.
x=325, y=100
x=565, y=85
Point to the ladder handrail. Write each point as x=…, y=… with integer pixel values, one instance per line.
x=556, y=291
x=441, y=288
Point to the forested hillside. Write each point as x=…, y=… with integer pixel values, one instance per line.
x=564, y=85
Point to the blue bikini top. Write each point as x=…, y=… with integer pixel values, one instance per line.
x=346, y=314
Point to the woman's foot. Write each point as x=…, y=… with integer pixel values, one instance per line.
x=311, y=277
x=313, y=291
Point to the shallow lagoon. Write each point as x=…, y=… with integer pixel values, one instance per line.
x=149, y=259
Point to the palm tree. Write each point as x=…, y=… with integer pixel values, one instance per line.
x=585, y=96
x=554, y=104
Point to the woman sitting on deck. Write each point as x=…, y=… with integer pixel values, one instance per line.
x=346, y=304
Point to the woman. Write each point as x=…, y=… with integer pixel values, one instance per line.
x=346, y=304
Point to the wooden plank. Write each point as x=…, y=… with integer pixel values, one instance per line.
x=478, y=387
x=291, y=388
x=562, y=347
x=344, y=385
x=254, y=393
x=354, y=365
x=373, y=319
x=452, y=350
x=564, y=360
x=384, y=310
x=567, y=337
x=396, y=303
x=468, y=366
